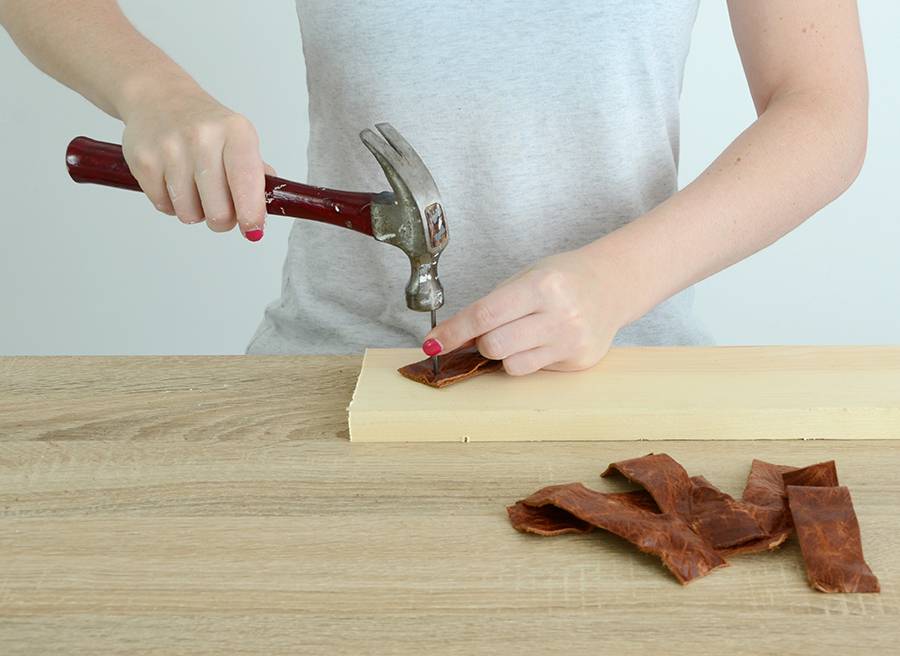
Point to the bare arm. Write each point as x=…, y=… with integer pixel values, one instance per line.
x=192, y=156
x=804, y=63
x=91, y=47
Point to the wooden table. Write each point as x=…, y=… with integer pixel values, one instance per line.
x=214, y=505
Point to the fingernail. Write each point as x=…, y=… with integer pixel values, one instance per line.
x=432, y=347
x=254, y=235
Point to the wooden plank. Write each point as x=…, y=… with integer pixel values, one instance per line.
x=655, y=393
x=213, y=505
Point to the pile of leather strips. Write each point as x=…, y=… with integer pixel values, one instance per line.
x=692, y=526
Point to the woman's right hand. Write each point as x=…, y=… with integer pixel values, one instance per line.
x=197, y=159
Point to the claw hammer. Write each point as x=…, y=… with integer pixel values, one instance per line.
x=410, y=217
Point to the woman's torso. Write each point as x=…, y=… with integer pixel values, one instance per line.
x=545, y=126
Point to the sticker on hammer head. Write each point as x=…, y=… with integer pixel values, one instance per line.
x=437, y=228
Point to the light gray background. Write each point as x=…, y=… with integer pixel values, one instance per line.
x=89, y=270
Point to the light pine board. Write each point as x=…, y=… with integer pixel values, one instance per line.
x=722, y=393
x=215, y=506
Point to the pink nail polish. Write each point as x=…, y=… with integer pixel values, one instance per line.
x=253, y=235
x=432, y=347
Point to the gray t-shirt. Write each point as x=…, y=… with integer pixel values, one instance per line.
x=546, y=125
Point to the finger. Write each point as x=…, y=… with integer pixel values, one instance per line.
x=269, y=169
x=155, y=189
x=147, y=169
x=528, y=362
x=503, y=305
x=179, y=180
x=212, y=186
x=516, y=336
x=246, y=178
x=183, y=194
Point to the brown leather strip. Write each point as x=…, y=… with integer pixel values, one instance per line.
x=455, y=367
x=550, y=520
x=822, y=474
x=666, y=481
x=718, y=517
x=828, y=532
x=765, y=496
x=665, y=535
x=546, y=520
x=766, y=543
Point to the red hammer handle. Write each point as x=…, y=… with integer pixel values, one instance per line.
x=103, y=163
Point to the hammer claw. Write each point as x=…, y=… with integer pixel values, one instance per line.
x=380, y=148
x=390, y=162
x=399, y=144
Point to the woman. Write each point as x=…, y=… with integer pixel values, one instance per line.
x=551, y=130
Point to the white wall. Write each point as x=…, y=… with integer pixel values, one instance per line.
x=85, y=269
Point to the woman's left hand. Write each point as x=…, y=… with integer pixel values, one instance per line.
x=560, y=314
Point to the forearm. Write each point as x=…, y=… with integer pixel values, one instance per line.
x=91, y=47
x=803, y=151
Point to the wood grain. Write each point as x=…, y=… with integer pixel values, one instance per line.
x=654, y=393
x=215, y=505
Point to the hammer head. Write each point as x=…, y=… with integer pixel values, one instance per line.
x=412, y=217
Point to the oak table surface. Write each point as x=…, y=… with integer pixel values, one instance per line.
x=215, y=505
